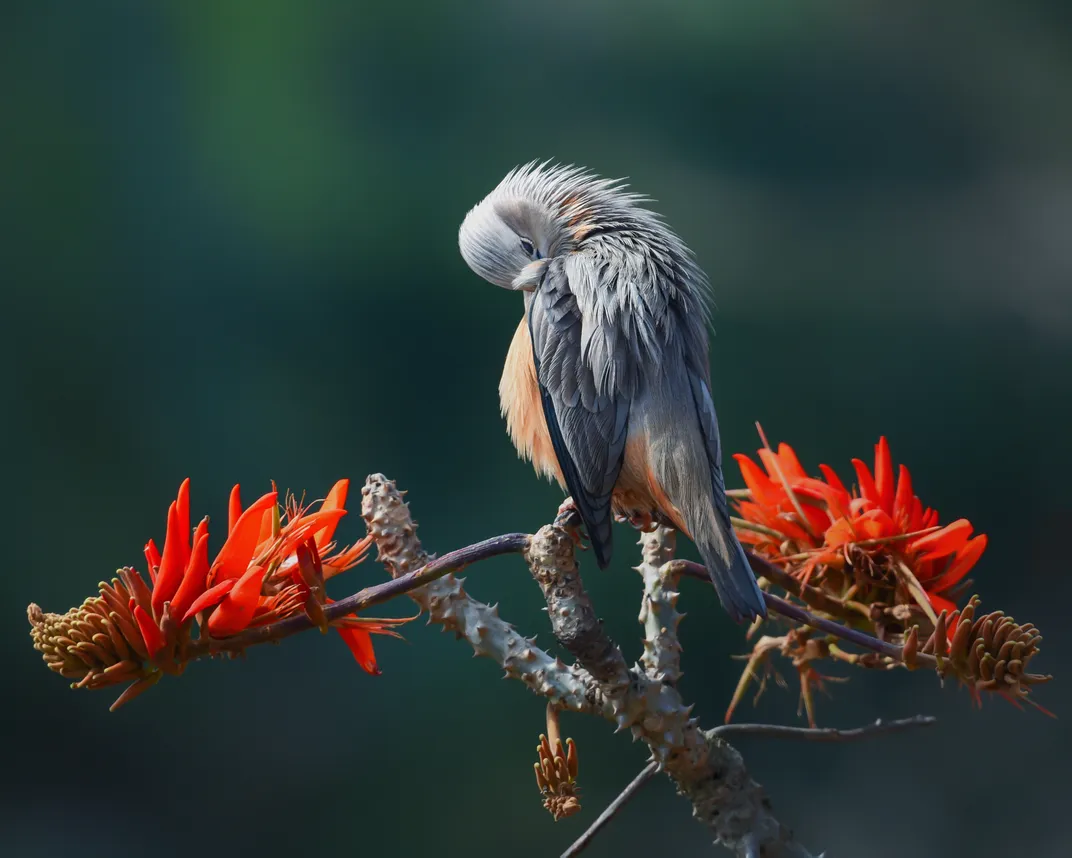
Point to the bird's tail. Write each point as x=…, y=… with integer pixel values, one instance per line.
x=705, y=519
x=728, y=566
x=686, y=474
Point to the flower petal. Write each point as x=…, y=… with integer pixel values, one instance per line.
x=884, y=475
x=236, y=610
x=360, y=643
x=193, y=580
x=858, y=506
x=832, y=478
x=875, y=524
x=152, y=559
x=764, y=490
x=233, y=559
x=902, y=499
x=336, y=499
x=303, y=528
x=182, y=506
x=348, y=558
x=200, y=530
x=915, y=515
x=172, y=563
x=865, y=481
x=790, y=463
x=839, y=533
x=234, y=507
x=150, y=631
x=941, y=603
x=836, y=502
x=266, y=536
x=211, y=596
x=966, y=558
x=943, y=542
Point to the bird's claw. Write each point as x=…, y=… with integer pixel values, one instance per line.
x=569, y=519
x=638, y=520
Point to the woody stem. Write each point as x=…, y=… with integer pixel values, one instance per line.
x=454, y=561
x=799, y=615
x=515, y=543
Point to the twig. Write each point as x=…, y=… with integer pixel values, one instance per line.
x=770, y=731
x=514, y=543
x=710, y=774
x=814, y=597
x=800, y=615
x=627, y=794
x=821, y=734
x=454, y=561
x=658, y=606
x=393, y=530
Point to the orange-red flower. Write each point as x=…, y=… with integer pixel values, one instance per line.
x=812, y=524
x=256, y=576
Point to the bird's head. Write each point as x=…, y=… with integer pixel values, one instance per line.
x=538, y=212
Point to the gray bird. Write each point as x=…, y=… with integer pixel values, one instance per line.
x=606, y=386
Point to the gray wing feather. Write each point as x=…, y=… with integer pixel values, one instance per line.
x=705, y=410
x=586, y=375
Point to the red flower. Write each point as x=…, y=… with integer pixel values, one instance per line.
x=255, y=577
x=811, y=524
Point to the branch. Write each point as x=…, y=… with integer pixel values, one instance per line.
x=707, y=770
x=395, y=534
x=770, y=731
x=627, y=794
x=813, y=596
x=800, y=615
x=709, y=773
x=455, y=561
x=658, y=611
x=822, y=734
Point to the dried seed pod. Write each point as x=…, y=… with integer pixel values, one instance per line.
x=556, y=770
x=989, y=652
x=98, y=643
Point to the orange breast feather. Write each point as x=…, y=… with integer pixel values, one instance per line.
x=637, y=490
x=519, y=396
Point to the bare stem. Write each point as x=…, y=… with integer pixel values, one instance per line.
x=768, y=731
x=804, y=617
x=821, y=734
x=455, y=561
x=813, y=596
x=627, y=794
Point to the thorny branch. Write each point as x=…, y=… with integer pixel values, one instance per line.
x=434, y=569
x=706, y=769
x=641, y=697
x=709, y=772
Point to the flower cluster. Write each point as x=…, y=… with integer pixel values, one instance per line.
x=556, y=770
x=877, y=540
x=273, y=564
x=872, y=557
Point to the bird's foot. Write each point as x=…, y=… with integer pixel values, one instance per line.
x=638, y=519
x=569, y=519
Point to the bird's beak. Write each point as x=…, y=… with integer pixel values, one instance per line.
x=531, y=276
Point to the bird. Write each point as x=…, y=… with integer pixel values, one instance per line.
x=606, y=386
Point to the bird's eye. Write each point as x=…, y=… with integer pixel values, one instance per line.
x=528, y=247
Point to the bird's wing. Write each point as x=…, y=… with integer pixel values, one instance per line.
x=705, y=410
x=587, y=374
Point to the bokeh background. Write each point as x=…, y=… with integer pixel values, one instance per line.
x=228, y=251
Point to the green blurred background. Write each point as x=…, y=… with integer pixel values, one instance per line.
x=228, y=252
